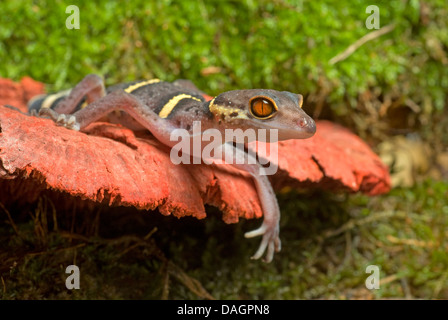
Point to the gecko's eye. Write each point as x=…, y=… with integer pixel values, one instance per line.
x=262, y=108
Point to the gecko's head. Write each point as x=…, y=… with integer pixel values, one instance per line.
x=264, y=109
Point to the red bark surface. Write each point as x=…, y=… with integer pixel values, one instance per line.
x=112, y=165
x=334, y=159
x=18, y=93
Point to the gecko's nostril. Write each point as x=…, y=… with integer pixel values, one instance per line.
x=302, y=122
x=307, y=124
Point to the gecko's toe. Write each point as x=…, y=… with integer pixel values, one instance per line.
x=72, y=123
x=71, y=120
x=261, y=249
x=270, y=241
x=270, y=253
x=76, y=126
x=62, y=119
x=68, y=121
x=277, y=244
x=255, y=233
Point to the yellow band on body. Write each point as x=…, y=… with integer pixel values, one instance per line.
x=135, y=86
x=167, y=108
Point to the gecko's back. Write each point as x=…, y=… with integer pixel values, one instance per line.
x=171, y=101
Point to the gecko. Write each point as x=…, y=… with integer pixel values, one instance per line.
x=162, y=107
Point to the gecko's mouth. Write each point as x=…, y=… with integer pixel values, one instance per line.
x=301, y=129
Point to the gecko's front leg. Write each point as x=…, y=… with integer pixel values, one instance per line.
x=91, y=88
x=269, y=230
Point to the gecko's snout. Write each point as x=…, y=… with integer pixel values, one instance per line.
x=307, y=125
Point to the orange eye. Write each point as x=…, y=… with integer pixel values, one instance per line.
x=262, y=108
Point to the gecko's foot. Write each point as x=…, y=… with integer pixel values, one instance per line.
x=65, y=120
x=271, y=241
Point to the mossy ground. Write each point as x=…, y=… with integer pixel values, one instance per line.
x=328, y=241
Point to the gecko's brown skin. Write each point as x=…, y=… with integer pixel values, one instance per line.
x=163, y=107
